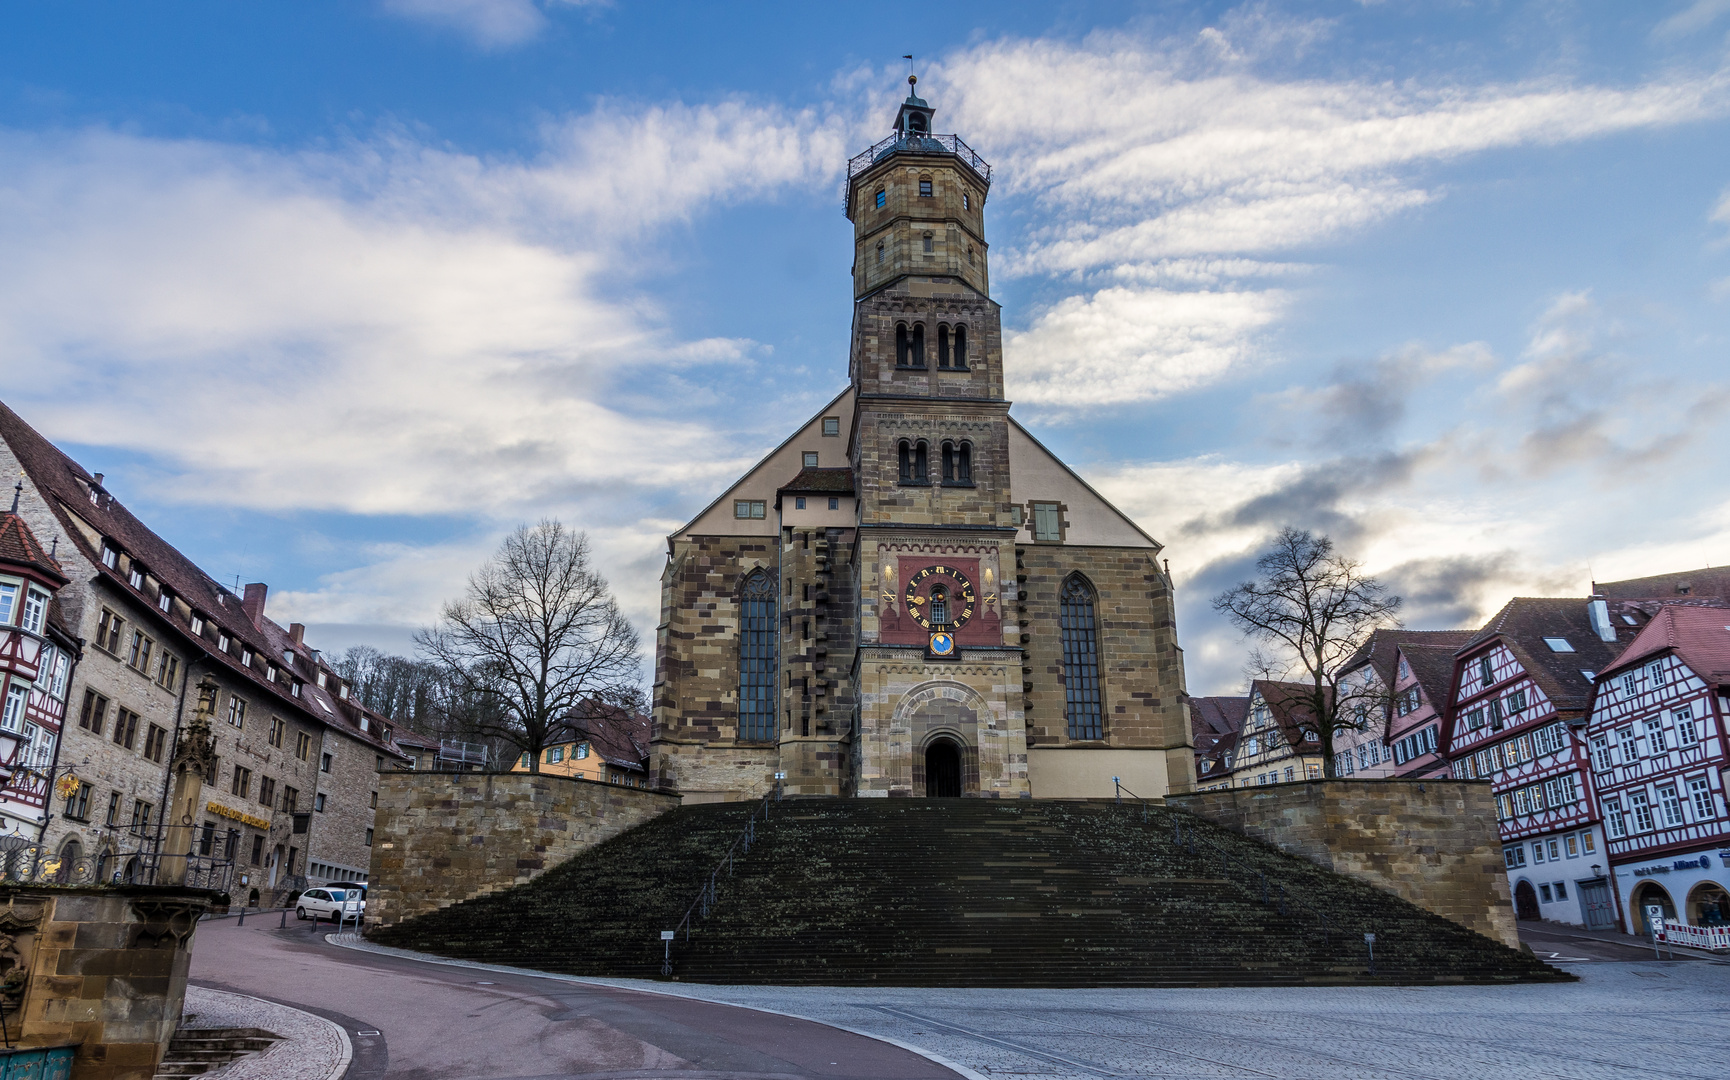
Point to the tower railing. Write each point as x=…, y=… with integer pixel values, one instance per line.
x=900, y=142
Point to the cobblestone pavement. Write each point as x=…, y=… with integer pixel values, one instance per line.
x=310, y=1047
x=1643, y=1019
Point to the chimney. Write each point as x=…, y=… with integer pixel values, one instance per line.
x=253, y=601
x=297, y=633
x=98, y=478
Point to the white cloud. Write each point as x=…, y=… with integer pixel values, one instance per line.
x=1123, y=344
x=1692, y=19
x=491, y=23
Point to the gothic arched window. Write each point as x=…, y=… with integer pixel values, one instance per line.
x=900, y=344
x=918, y=344
x=1081, y=661
x=906, y=450
x=942, y=345
x=960, y=346
x=757, y=657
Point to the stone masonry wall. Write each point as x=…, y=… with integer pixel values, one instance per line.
x=1433, y=842
x=442, y=838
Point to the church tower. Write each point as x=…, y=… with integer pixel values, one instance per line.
x=931, y=459
x=911, y=596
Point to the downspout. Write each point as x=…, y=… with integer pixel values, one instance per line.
x=167, y=772
x=54, y=762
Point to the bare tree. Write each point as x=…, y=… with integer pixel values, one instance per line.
x=536, y=634
x=1310, y=612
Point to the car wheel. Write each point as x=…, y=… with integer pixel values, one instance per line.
x=300, y=913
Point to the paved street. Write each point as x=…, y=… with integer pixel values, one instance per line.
x=414, y=1021
x=444, y=1022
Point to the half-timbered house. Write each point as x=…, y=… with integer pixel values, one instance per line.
x=37, y=656
x=1278, y=743
x=1658, y=750
x=1521, y=689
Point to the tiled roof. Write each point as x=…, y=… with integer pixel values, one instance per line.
x=68, y=490
x=1525, y=621
x=1700, y=636
x=1707, y=581
x=19, y=545
x=1288, y=704
x=1379, y=650
x=404, y=737
x=618, y=736
x=1212, y=717
x=819, y=481
x=1217, y=756
x=1432, y=665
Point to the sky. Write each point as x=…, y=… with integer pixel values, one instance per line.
x=336, y=294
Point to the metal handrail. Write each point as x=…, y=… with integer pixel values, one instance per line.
x=1286, y=900
x=914, y=144
x=708, y=896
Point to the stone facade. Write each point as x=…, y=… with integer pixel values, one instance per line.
x=1433, y=842
x=948, y=506
x=442, y=838
x=102, y=967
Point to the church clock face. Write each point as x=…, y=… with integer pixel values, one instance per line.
x=940, y=596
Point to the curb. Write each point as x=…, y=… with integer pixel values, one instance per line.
x=344, y=1059
x=354, y=941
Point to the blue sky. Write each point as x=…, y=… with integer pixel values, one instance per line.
x=336, y=293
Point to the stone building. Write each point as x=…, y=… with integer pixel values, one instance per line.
x=911, y=595
x=293, y=797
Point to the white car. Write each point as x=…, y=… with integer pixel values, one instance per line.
x=328, y=903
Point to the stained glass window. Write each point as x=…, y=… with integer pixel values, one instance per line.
x=1081, y=661
x=757, y=658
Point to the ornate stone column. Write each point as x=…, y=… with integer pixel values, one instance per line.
x=194, y=762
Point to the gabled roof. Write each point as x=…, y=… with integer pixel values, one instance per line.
x=1084, y=489
x=1218, y=757
x=1288, y=706
x=1525, y=621
x=19, y=546
x=1432, y=665
x=1699, y=635
x=84, y=507
x=1383, y=644
x=1707, y=581
x=1212, y=717
x=618, y=736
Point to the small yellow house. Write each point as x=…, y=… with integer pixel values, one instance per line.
x=607, y=744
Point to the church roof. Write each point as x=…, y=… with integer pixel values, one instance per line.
x=820, y=482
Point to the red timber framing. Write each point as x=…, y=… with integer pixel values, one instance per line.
x=1657, y=744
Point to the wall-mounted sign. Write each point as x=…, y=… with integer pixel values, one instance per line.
x=1704, y=862
x=235, y=815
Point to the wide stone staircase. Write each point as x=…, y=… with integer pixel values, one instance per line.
x=195, y=1051
x=962, y=892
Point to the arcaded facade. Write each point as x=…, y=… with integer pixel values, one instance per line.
x=911, y=596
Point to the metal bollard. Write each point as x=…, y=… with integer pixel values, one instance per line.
x=284, y=920
x=242, y=920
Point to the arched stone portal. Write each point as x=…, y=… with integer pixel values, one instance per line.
x=1525, y=901
x=943, y=769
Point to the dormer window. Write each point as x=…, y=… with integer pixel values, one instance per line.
x=165, y=601
x=270, y=672
x=110, y=557
x=321, y=680
x=924, y=189
x=295, y=689
x=882, y=199
x=245, y=657
x=197, y=624
x=342, y=691
x=221, y=641
x=136, y=577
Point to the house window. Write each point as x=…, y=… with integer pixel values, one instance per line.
x=369, y=838
x=1558, y=644
x=966, y=201
x=221, y=641
x=1630, y=684
x=302, y=745
x=17, y=698
x=1573, y=846
x=959, y=358
x=1642, y=808
x=35, y=607
x=138, y=655
x=108, y=632
x=809, y=459
x=757, y=658
x=277, y=729
x=1588, y=843
x=236, y=711
x=257, y=850
x=1080, y=636
x=165, y=600
x=1613, y=819
x=882, y=198
x=1700, y=791
x=903, y=346
x=141, y=813
x=1561, y=890
x=917, y=357
x=242, y=782
x=1544, y=893
x=1047, y=521
x=290, y=799
x=924, y=189
x=1486, y=673
x=1655, y=734
x=831, y=426
x=318, y=802
x=582, y=751
x=110, y=557
x=1514, y=855
x=798, y=502
x=1555, y=849
x=78, y=803
x=749, y=508
x=197, y=624
x=245, y=657
x=834, y=502
x=1657, y=673
x=1601, y=754
x=555, y=755
x=125, y=728
x=1630, y=748
x=1686, y=733
x=168, y=671
x=267, y=790
x=930, y=242
x=1670, y=805
x=324, y=763
x=95, y=712
x=136, y=577
x=155, y=742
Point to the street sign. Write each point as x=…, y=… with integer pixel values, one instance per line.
x=666, y=935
